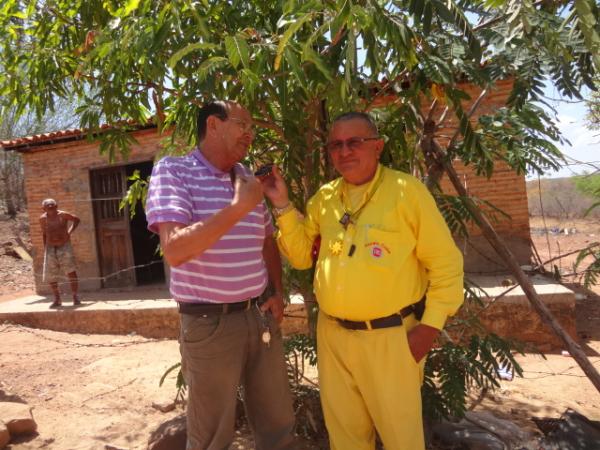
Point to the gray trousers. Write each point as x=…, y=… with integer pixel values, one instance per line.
x=220, y=352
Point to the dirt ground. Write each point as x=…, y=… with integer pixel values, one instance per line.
x=16, y=275
x=563, y=237
x=97, y=391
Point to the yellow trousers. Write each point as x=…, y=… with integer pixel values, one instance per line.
x=369, y=381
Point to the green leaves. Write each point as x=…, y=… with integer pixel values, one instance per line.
x=453, y=368
x=125, y=10
x=445, y=11
x=135, y=193
x=590, y=259
x=287, y=35
x=209, y=66
x=180, y=383
x=523, y=138
x=237, y=51
x=453, y=14
x=587, y=10
x=267, y=53
x=180, y=54
x=313, y=57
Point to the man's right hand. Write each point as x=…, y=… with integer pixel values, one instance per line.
x=247, y=193
x=275, y=189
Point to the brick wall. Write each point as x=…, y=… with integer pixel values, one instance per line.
x=62, y=171
x=506, y=191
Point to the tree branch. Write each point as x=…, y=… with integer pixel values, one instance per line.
x=472, y=110
x=502, y=17
x=589, y=247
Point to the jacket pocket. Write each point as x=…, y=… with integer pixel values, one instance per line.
x=386, y=250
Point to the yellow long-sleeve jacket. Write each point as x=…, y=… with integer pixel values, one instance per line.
x=397, y=248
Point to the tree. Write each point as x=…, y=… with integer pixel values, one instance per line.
x=12, y=177
x=589, y=258
x=593, y=106
x=298, y=63
x=558, y=197
x=588, y=184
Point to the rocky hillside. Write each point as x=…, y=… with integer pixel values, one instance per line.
x=16, y=273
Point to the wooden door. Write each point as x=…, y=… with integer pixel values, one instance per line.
x=112, y=227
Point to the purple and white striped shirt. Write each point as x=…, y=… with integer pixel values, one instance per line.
x=190, y=189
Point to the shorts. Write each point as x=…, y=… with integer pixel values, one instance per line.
x=58, y=261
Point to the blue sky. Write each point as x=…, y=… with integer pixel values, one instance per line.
x=585, y=144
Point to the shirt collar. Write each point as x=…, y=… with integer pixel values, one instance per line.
x=196, y=153
x=373, y=184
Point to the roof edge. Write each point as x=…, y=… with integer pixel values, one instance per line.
x=28, y=143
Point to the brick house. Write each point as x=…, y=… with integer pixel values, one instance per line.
x=112, y=250
x=68, y=167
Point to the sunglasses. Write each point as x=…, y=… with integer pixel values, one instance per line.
x=353, y=143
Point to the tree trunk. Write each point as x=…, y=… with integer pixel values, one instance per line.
x=9, y=203
x=488, y=231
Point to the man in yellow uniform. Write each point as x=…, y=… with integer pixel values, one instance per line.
x=384, y=245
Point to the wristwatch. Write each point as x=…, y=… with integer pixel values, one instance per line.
x=277, y=212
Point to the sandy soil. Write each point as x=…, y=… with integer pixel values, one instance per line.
x=96, y=391
x=552, y=244
x=87, y=391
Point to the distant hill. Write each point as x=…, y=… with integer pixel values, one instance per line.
x=559, y=198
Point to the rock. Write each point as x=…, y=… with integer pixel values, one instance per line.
x=164, y=406
x=171, y=435
x=18, y=418
x=6, y=396
x=507, y=431
x=4, y=435
x=483, y=431
x=571, y=431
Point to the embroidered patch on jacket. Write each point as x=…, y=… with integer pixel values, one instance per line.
x=378, y=249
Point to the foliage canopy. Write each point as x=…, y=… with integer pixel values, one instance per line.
x=296, y=63
x=593, y=108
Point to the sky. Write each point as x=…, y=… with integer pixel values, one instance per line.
x=584, y=144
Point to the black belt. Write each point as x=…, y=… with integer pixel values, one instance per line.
x=395, y=320
x=216, y=308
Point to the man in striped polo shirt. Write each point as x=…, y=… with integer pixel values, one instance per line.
x=217, y=235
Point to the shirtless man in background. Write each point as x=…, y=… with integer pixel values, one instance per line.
x=58, y=252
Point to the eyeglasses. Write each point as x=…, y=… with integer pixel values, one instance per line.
x=353, y=143
x=244, y=125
